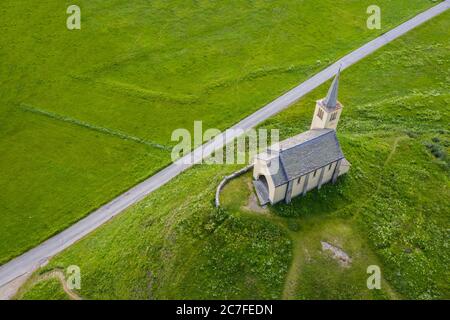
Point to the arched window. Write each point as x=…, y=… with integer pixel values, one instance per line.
x=320, y=113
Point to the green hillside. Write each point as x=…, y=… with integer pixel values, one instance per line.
x=391, y=210
x=85, y=115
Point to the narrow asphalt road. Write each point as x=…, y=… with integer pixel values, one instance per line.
x=31, y=260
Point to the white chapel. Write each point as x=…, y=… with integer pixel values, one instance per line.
x=306, y=161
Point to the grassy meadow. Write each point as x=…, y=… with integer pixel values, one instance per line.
x=52, y=287
x=86, y=114
x=391, y=210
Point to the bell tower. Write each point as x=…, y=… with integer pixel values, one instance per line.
x=328, y=110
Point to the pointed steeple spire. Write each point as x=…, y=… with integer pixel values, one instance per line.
x=331, y=99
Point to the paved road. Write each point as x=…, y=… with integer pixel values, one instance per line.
x=32, y=259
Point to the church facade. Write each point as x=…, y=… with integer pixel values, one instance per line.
x=306, y=161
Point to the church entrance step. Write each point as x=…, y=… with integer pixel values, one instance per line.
x=261, y=192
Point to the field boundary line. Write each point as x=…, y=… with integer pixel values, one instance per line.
x=29, y=108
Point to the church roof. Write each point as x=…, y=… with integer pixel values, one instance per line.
x=306, y=153
x=331, y=100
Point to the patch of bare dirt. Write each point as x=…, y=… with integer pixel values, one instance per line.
x=338, y=254
x=253, y=203
x=58, y=275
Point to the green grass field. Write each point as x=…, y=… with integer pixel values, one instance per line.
x=391, y=210
x=85, y=115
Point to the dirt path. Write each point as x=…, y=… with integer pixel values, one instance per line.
x=385, y=163
x=394, y=149
x=59, y=275
x=291, y=281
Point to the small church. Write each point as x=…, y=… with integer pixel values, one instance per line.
x=306, y=161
